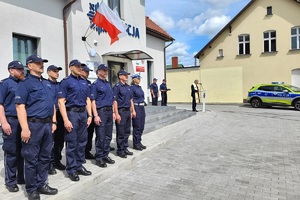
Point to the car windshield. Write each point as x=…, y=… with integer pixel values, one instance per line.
x=293, y=88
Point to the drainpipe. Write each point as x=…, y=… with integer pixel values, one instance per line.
x=165, y=66
x=66, y=34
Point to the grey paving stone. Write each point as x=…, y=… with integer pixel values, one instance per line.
x=230, y=152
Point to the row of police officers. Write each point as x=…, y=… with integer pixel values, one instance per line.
x=38, y=115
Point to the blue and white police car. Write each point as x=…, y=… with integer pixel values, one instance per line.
x=275, y=94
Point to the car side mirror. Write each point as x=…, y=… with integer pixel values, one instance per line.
x=285, y=91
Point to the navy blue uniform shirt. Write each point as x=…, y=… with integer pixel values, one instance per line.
x=74, y=90
x=137, y=93
x=102, y=93
x=123, y=95
x=7, y=95
x=90, y=87
x=154, y=87
x=89, y=83
x=55, y=86
x=163, y=86
x=37, y=95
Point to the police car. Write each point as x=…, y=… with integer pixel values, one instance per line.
x=275, y=94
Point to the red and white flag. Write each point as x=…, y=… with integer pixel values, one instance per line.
x=109, y=21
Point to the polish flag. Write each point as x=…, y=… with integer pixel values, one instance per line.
x=109, y=21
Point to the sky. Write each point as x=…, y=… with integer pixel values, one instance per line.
x=192, y=23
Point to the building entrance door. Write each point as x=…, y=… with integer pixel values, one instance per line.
x=115, y=67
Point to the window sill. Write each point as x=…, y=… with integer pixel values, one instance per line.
x=243, y=55
x=220, y=56
x=294, y=50
x=271, y=52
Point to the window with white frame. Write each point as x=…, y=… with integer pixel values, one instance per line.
x=295, y=38
x=270, y=41
x=244, y=44
x=24, y=46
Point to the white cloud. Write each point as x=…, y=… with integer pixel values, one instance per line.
x=206, y=23
x=190, y=22
x=211, y=26
x=162, y=20
x=219, y=4
x=178, y=49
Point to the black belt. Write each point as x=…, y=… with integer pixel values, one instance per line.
x=42, y=120
x=106, y=108
x=124, y=109
x=11, y=117
x=76, y=109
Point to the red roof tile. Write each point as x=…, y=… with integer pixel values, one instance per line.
x=156, y=31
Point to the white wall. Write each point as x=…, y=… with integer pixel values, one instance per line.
x=34, y=20
x=135, y=16
x=44, y=20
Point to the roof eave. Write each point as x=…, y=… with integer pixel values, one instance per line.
x=158, y=35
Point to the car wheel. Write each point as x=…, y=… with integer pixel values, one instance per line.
x=256, y=103
x=297, y=105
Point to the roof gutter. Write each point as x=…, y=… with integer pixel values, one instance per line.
x=165, y=66
x=66, y=34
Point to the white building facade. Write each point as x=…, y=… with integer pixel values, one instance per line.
x=61, y=31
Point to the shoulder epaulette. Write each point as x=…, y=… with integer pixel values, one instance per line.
x=3, y=80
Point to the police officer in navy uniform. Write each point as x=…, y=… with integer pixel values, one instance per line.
x=91, y=129
x=163, y=90
x=154, y=92
x=36, y=111
x=102, y=102
x=138, y=122
x=13, y=162
x=124, y=110
x=75, y=108
x=58, y=135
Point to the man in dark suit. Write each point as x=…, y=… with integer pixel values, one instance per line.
x=194, y=91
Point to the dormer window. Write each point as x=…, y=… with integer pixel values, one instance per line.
x=220, y=53
x=269, y=10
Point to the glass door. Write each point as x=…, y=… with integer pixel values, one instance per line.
x=115, y=67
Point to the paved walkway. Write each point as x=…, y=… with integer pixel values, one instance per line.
x=229, y=153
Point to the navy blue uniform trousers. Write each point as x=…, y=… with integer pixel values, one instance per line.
x=154, y=99
x=58, y=139
x=138, y=124
x=91, y=130
x=37, y=155
x=123, y=130
x=104, y=133
x=164, y=98
x=13, y=161
x=76, y=141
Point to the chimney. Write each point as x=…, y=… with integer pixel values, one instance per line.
x=174, y=62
